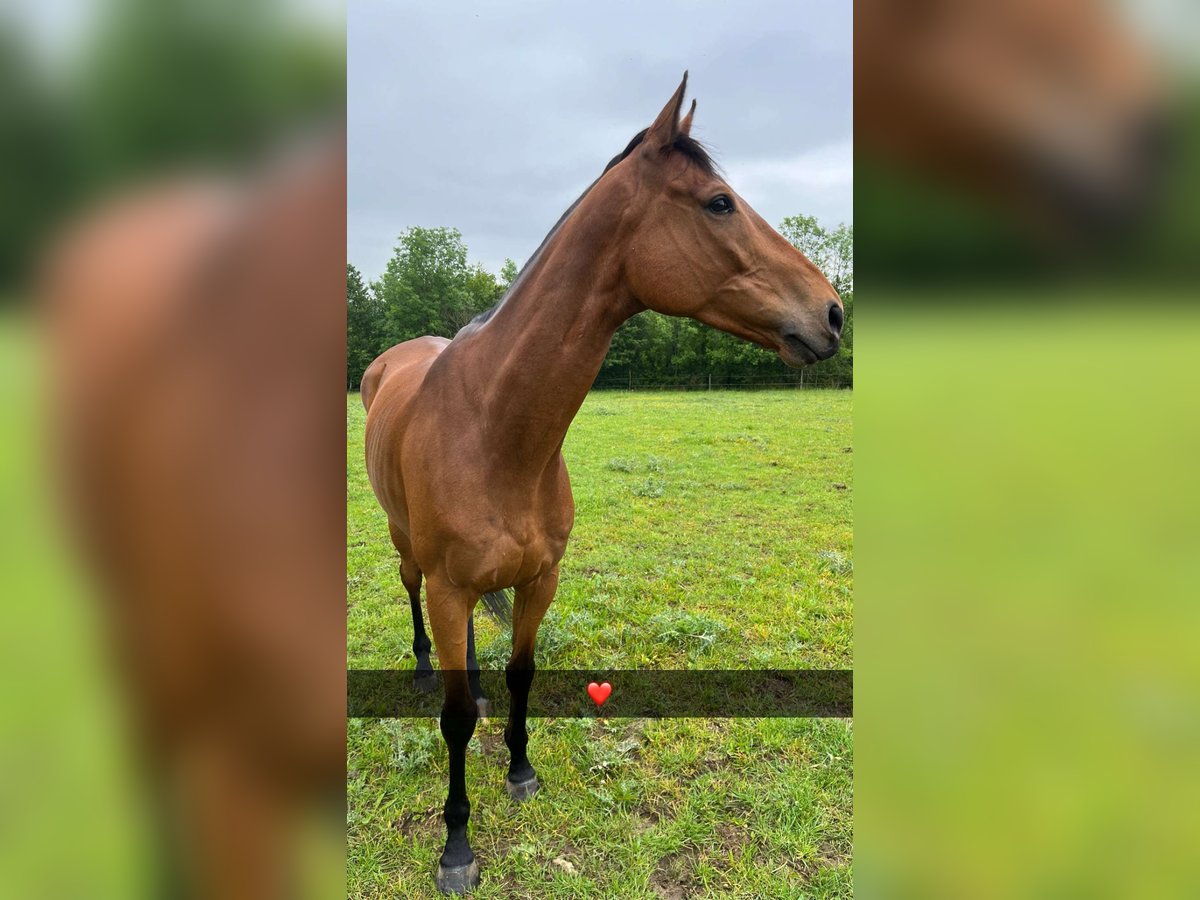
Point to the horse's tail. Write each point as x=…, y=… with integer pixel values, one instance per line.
x=499, y=606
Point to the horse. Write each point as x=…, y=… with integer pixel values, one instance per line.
x=464, y=437
x=196, y=401
x=1051, y=111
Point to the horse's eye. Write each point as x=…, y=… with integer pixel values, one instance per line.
x=720, y=205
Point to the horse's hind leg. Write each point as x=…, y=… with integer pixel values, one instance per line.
x=423, y=677
x=532, y=601
x=410, y=575
x=481, y=699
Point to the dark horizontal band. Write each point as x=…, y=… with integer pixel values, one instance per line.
x=640, y=693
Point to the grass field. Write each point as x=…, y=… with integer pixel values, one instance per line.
x=69, y=818
x=1024, y=564
x=712, y=531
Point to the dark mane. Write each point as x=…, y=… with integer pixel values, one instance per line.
x=482, y=317
x=684, y=144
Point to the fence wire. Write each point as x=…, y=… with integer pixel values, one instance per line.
x=714, y=382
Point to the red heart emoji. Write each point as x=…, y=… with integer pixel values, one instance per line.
x=599, y=692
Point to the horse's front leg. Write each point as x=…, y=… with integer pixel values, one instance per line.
x=530, y=605
x=449, y=612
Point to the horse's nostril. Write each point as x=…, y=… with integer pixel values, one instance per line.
x=836, y=317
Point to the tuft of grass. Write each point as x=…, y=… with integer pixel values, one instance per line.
x=553, y=638
x=651, y=487
x=622, y=465
x=835, y=562
x=495, y=653
x=415, y=748
x=684, y=629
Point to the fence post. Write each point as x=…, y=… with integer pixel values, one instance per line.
x=710, y=381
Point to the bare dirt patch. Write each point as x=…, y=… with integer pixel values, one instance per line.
x=673, y=877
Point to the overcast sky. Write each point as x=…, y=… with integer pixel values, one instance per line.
x=493, y=117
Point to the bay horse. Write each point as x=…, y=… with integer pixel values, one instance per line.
x=1050, y=110
x=196, y=397
x=464, y=436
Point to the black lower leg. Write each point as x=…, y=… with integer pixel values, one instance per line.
x=421, y=644
x=519, y=677
x=473, y=666
x=458, y=724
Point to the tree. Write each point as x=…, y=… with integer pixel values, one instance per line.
x=424, y=288
x=38, y=179
x=508, y=273
x=483, y=291
x=364, y=327
x=831, y=251
x=430, y=288
x=640, y=347
x=165, y=83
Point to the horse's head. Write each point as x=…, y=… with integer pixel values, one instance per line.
x=697, y=249
x=1050, y=108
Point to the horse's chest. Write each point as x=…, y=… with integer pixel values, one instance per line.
x=488, y=528
x=537, y=535
x=502, y=552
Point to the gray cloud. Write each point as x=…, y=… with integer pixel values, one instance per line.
x=493, y=117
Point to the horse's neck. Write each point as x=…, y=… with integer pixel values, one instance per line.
x=544, y=346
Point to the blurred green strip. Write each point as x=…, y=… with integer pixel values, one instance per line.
x=1026, y=600
x=69, y=823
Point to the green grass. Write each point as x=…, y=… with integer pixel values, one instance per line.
x=712, y=531
x=71, y=824
x=721, y=510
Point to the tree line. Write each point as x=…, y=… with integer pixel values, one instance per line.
x=144, y=89
x=431, y=287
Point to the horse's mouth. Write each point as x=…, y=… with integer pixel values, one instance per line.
x=797, y=352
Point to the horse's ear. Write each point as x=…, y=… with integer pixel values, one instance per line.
x=685, y=127
x=665, y=129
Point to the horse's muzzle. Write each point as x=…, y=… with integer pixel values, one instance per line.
x=797, y=351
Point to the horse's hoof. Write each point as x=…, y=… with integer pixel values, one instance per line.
x=522, y=790
x=481, y=704
x=425, y=682
x=458, y=879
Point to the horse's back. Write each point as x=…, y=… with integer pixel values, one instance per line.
x=403, y=364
